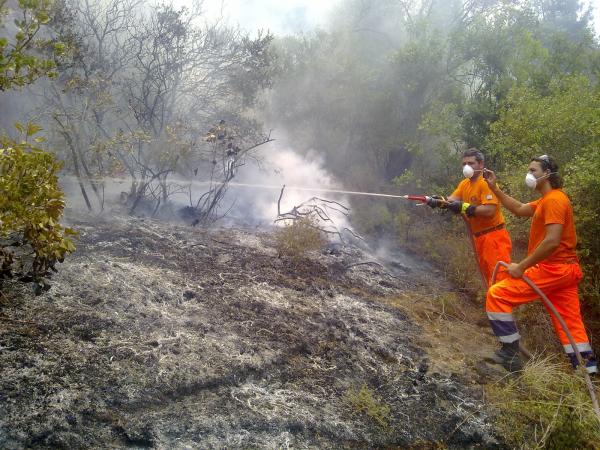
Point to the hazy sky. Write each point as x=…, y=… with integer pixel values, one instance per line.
x=279, y=16
x=289, y=16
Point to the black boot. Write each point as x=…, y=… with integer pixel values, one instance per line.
x=509, y=356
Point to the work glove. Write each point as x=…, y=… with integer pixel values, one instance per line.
x=458, y=207
x=436, y=201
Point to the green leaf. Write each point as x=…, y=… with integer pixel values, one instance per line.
x=42, y=17
x=33, y=129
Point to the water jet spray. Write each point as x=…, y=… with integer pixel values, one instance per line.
x=309, y=189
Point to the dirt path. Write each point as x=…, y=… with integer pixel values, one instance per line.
x=164, y=336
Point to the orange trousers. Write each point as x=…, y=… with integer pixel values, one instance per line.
x=491, y=248
x=559, y=282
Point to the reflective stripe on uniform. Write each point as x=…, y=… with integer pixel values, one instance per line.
x=590, y=361
x=509, y=338
x=504, y=317
x=581, y=346
x=504, y=326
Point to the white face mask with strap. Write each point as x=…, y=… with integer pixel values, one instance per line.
x=468, y=171
x=531, y=181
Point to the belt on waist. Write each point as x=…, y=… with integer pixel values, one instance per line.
x=488, y=230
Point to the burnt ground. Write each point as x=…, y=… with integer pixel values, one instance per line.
x=165, y=336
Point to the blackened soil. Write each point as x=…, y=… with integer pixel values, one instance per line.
x=156, y=335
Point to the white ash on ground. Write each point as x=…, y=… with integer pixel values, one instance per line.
x=164, y=336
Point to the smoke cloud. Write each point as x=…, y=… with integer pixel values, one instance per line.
x=280, y=18
x=281, y=166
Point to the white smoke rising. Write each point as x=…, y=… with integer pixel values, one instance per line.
x=281, y=166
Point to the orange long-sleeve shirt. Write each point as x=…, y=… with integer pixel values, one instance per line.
x=554, y=207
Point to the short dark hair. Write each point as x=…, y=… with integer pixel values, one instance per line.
x=474, y=152
x=548, y=163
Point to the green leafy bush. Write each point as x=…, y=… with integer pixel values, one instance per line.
x=583, y=185
x=565, y=124
x=18, y=65
x=31, y=204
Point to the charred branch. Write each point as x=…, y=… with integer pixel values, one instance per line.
x=318, y=209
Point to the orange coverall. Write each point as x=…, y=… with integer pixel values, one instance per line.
x=557, y=276
x=492, y=242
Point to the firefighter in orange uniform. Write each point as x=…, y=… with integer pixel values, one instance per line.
x=474, y=198
x=551, y=264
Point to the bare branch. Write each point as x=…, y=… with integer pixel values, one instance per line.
x=315, y=207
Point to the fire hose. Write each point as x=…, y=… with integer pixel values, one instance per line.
x=556, y=314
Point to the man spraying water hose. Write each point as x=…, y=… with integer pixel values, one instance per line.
x=474, y=199
x=551, y=264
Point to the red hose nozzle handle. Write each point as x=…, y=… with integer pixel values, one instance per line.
x=417, y=198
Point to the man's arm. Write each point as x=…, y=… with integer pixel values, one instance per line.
x=545, y=248
x=514, y=206
x=485, y=210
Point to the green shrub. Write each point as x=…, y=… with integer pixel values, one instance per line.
x=582, y=183
x=372, y=218
x=565, y=124
x=297, y=238
x=20, y=61
x=31, y=204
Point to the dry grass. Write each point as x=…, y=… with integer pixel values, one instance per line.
x=297, y=238
x=548, y=406
x=449, y=331
x=536, y=328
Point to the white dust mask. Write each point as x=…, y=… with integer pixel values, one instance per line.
x=531, y=181
x=468, y=171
